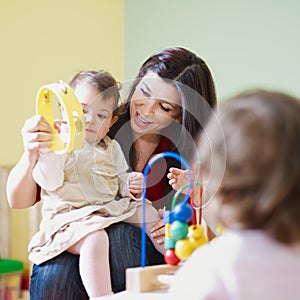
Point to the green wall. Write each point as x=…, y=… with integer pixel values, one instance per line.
x=247, y=44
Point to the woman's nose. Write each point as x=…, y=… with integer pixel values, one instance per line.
x=149, y=106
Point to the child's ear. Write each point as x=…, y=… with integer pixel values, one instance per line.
x=113, y=120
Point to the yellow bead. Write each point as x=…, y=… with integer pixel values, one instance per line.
x=183, y=249
x=167, y=230
x=220, y=229
x=195, y=231
x=198, y=242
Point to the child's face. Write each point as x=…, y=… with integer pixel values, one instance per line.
x=97, y=112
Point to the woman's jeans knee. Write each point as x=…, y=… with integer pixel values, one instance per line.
x=59, y=277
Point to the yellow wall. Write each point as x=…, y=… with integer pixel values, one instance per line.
x=42, y=42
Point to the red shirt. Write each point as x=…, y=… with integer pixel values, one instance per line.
x=157, y=177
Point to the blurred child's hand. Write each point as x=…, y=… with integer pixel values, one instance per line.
x=135, y=182
x=178, y=178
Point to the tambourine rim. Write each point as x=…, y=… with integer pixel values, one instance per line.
x=69, y=101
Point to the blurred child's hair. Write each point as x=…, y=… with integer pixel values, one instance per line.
x=103, y=81
x=260, y=188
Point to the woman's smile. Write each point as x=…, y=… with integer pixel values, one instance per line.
x=141, y=121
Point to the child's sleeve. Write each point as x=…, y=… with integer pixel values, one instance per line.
x=122, y=170
x=48, y=172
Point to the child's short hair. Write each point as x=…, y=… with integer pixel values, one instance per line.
x=103, y=81
x=260, y=188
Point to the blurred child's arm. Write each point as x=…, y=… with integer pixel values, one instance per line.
x=178, y=178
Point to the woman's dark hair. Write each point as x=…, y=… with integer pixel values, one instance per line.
x=194, y=83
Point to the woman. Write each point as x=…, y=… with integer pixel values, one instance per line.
x=168, y=104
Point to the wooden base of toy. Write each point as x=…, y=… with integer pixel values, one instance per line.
x=143, y=280
x=125, y=295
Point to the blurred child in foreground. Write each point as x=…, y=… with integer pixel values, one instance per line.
x=257, y=200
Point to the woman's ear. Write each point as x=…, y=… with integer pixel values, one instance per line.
x=179, y=119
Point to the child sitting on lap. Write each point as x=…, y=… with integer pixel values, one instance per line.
x=87, y=190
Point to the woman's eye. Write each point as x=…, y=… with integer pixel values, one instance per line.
x=165, y=108
x=146, y=94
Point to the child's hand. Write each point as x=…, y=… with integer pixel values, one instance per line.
x=178, y=178
x=37, y=135
x=135, y=182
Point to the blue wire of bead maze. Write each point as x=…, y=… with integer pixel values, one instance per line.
x=146, y=172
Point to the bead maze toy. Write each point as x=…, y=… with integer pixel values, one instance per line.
x=72, y=113
x=180, y=239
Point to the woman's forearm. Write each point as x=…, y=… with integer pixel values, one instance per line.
x=21, y=188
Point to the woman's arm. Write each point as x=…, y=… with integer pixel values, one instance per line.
x=21, y=187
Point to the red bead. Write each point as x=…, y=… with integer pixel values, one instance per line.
x=171, y=258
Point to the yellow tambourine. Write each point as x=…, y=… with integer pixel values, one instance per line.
x=72, y=112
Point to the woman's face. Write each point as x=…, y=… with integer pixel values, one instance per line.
x=154, y=105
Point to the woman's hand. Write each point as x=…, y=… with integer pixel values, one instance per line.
x=178, y=178
x=158, y=229
x=37, y=134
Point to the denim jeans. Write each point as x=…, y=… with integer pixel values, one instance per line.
x=59, y=277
